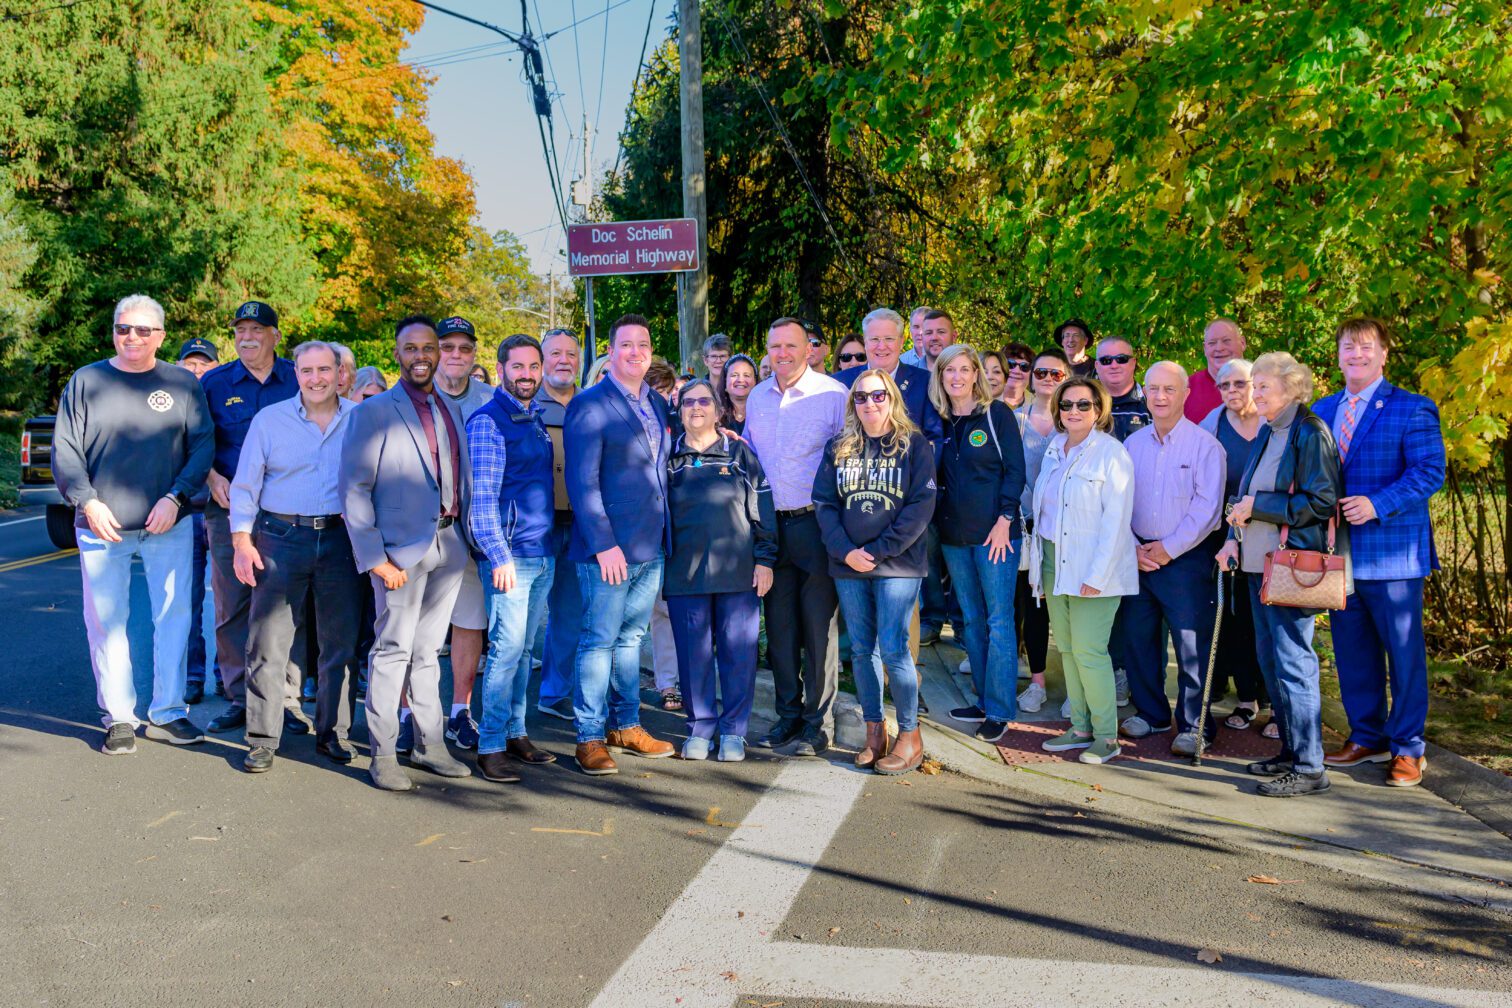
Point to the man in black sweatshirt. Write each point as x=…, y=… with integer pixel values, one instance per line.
x=133, y=442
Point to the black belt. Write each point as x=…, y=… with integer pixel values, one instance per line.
x=445, y=521
x=307, y=521
x=796, y=512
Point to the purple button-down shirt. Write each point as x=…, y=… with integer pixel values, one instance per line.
x=1178, y=485
x=789, y=431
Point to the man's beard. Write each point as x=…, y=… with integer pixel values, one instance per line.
x=514, y=389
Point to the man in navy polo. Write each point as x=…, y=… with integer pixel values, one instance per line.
x=236, y=392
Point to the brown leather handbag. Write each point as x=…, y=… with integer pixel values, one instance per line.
x=1304, y=579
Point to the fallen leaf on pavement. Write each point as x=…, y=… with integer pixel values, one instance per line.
x=1254, y=917
x=454, y=983
x=1209, y=956
x=430, y=839
x=929, y=767
x=1271, y=880
x=730, y=975
x=739, y=914
x=907, y=899
x=1096, y=787
x=833, y=931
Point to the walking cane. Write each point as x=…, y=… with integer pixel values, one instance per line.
x=1207, y=679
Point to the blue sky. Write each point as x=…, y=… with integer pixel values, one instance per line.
x=481, y=114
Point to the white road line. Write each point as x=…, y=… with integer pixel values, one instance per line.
x=18, y=521
x=716, y=943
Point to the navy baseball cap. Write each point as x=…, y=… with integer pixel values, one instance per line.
x=203, y=347
x=456, y=325
x=256, y=311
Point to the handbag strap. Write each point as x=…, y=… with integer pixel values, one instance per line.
x=1285, y=529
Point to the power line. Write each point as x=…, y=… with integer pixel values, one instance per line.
x=639, y=66
x=587, y=17
x=598, y=106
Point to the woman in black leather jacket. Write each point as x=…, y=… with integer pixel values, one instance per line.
x=1294, y=479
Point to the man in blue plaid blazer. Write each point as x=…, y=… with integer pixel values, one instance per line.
x=1393, y=453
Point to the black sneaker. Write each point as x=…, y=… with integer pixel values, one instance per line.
x=220, y=688
x=120, y=740
x=462, y=730
x=180, y=731
x=560, y=709
x=406, y=737
x=969, y=715
x=230, y=719
x=1294, y=785
x=782, y=733
x=1269, y=768
x=194, y=692
x=258, y=760
x=808, y=744
x=307, y=691
x=295, y=722
x=928, y=636
x=991, y=730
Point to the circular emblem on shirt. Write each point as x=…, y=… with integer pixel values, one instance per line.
x=977, y=438
x=160, y=401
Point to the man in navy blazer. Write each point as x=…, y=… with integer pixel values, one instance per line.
x=1393, y=454
x=617, y=446
x=882, y=332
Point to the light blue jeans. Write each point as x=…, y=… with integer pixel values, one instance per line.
x=877, y=613
x=167, y=562
x=1284, y=644
x=513, y=619
x=985, y=591
x=606, y=679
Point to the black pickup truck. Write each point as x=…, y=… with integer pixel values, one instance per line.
x=37, y=480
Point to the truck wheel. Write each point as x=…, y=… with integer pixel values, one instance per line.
x=60, y=526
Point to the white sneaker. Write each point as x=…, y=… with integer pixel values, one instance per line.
x=1137, y=727
x=1121, y=687
x=1032, y=699
x=1184, y=744
x=965, y=666
x=1066, y=710
x=696, y=748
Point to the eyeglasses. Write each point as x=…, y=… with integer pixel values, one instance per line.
x=846, y=358
x=876, y=396
x=1080, y=405
x=142, y=331
x=702, y=401
x=1049, y=372
x=1018, y=365
x=1116, y=358
x=1233, y=384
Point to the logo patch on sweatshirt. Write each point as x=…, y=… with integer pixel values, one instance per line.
x=159, y=401
x=977, y=438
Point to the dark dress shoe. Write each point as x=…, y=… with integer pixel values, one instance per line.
x=230, y=719
x=336, y=751
x=780, y=734
x=295, y=723
x=258, y=760
x=523, y=750
x=193, y=693
x=496, y=766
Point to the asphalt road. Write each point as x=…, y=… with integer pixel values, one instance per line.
x=171, y=878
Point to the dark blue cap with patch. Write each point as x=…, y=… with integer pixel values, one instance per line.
x=203, y=347
x=256, y=311
x=455, y=325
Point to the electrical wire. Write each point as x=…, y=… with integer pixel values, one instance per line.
x=598, y=106
x=640, y=66
x=587, y=17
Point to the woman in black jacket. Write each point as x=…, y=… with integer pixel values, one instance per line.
x=980, y=479
x=724, y=545
x=873, y=497
x=1290, y=492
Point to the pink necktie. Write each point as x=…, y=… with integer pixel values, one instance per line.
x=1346, y=429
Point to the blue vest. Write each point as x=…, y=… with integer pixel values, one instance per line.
x=526, y=495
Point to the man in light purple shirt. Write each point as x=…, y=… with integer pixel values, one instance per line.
x=1178, y=504
x=789, y=419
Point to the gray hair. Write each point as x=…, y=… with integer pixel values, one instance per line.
x=885, y=315
x=344, y=355
x=1295, y=377
x=368, y=375
x=316, y=344
x=1115, y=339
x=139, y=302
x=1235, y=366
x=561, y=332
x=719, y=341
x=923, y=309
x=1170, y=364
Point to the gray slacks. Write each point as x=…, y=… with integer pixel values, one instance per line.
x=411, y=627
x=233, y=608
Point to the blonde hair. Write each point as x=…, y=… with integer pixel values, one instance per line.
x=596, y=371
x=1101, y=402
x=937, y=394
x=1296, y=377
x=852, y=437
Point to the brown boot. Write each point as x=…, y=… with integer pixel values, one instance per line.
x=523, y=750
x=640, y=742
x=907, y=753
x=876, y=745
x=495, y=766
x=594, y=759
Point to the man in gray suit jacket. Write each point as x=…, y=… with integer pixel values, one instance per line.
x=404, y=483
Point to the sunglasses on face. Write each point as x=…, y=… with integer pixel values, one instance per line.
x=1019, y=365
x=1230, y=386
x=859, y=358
x=1079, y=405
x=142, y=331
x=815, y=341
x=1046, y=372
x=876, y=396
x=703, y=400
x=1116, y=358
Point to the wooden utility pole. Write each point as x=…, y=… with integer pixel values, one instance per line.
x=693, y=305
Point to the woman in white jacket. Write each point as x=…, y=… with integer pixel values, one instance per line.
x=1081, y=559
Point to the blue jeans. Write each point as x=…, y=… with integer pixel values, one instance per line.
x=196, y=672
x=877, y=612
x=564, y=621
x=167, y=560
x=608, y=653
x=513, y=618
x=986, y=593
x=1283, y=639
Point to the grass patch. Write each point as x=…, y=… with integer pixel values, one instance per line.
x=10, y=469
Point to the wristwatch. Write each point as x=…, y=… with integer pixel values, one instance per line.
x=178, y=498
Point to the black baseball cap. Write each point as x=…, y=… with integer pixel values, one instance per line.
x=256, y=311
x=814, y=329
x=456, y=325
x=203, y=347
x=1072, y=323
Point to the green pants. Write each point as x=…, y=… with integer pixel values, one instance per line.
x=1081, y=627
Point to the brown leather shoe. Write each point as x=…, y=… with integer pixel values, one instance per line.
x=907, y=753
x=640, y=742
x=523, y=750
x=1353, y=755
x=1406, y=771
x=594, y=759
x=876, y=745
x=495, y=766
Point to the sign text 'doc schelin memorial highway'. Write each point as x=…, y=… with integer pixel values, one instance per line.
x=617, y=247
